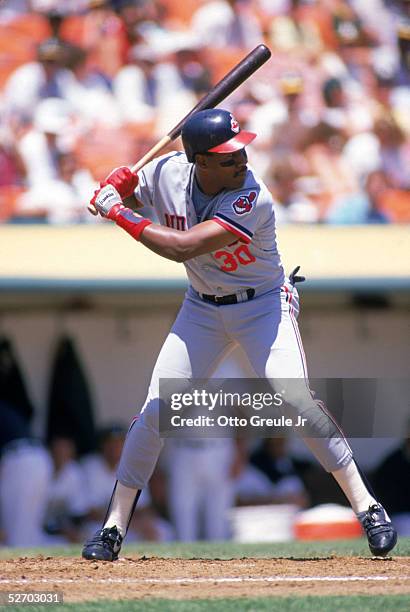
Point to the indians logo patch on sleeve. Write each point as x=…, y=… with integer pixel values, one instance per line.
x=244, y=204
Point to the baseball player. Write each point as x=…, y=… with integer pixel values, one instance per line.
x=216, y=216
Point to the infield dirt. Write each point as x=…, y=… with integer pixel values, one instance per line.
x=138, y=578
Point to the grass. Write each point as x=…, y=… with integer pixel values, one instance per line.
x=225, y=550
x=364, y=603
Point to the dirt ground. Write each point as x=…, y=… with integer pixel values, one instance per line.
x=138, y=578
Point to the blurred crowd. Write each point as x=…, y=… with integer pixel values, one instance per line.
x=87, y=85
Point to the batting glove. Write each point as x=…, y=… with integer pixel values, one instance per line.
x=123, y=180
x=107, y=202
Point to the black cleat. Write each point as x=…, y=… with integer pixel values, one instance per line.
x=381, y=534
x=104, y=545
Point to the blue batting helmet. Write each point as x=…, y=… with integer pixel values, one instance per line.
x=213, y=131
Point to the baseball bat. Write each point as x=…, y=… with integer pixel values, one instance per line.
x=231, y=81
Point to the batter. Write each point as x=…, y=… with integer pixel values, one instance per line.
x=216, y=216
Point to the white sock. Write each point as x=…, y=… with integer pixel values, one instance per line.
x=352, y=485
x=121, y=506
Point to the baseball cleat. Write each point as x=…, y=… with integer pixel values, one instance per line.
x=381, y=535
x=104, y=545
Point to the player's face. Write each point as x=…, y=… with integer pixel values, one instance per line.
x=227, y=170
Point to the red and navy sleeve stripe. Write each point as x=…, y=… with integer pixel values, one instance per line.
x=234, y=227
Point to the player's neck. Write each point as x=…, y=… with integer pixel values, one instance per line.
x=206, y=184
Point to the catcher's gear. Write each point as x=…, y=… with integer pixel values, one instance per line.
x=213, y=131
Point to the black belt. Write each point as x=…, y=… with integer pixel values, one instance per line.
x=227, y=299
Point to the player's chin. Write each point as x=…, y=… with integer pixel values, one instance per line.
x=239, y=179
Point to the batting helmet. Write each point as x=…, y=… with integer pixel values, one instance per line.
x=213, y=131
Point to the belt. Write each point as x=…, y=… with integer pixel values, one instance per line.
x=234, y=298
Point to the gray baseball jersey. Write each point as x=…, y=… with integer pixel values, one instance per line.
x=252, y=260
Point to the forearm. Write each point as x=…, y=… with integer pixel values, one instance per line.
x=169, y=243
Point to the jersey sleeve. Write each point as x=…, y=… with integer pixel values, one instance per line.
x=145, y=188
x=238, y=213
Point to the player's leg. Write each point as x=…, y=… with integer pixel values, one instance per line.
x=280, y=357
x=193, y=347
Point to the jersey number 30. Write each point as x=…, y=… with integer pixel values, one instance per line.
x=231, y=261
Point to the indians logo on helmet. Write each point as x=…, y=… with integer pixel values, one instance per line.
x=244, y=204
x=234, y=125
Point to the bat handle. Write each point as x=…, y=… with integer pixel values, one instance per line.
x=92, y=209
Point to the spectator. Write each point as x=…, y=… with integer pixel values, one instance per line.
x=35, y=81
x=136, y=86
x=56, y=187
x=59, y=200
x=25, y=476
x=290, y=191
x=67, y=504
x=101, y=33
x=387, y=480
x=341, y=112
x=90, y=93
x=227, y=23
x=151, y=90
x=201, y=475
x=365, y=206
x=394, y=156
x=283, y=122
x=340, y=67
x=271, y=462
x=323, y=152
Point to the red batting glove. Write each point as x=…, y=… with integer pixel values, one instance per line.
x=123, y=180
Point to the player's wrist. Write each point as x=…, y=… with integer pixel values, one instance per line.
x=133, y=224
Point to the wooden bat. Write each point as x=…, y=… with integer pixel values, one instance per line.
x=231, y=81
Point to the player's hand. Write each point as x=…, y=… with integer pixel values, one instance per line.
x=123, y=180
x=107, y=201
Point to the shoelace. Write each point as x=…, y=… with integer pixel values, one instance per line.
x=373, y=521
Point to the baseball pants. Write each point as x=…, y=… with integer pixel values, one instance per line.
x=202, y=335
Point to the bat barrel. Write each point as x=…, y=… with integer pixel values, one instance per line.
x=242, y=71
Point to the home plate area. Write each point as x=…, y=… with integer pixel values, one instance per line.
x=136, y=577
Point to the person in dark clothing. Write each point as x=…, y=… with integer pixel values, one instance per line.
x=273, y=459
x=388, y=479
